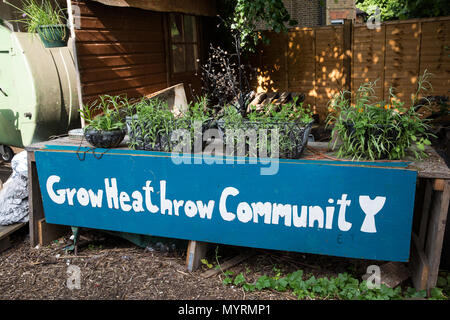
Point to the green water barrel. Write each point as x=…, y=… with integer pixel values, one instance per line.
x=38, y=89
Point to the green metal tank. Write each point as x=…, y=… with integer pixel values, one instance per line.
x=38, y=89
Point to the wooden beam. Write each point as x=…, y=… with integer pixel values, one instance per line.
x=195, y=253
x=5, y=232
x=36, y=210
x=436, y=229
x=438, y=184
x=49, y=232
x=228, y=264
x=194, y=7
x=425, y=212
x=393, y=274
x=418, y=265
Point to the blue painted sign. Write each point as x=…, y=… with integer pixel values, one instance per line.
x=334, y=208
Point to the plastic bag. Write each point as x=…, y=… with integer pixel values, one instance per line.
x=14, y=195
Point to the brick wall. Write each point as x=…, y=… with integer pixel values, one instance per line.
x=308, y=13
x=313, y=13
x=341, y=9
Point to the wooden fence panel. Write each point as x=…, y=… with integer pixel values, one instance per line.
x=315, y=61
x=434, y=54
x=368, y=58
x=301, y=64
x=329, y=66
x=401, y=62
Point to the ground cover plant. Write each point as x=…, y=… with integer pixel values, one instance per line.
x=307, y=285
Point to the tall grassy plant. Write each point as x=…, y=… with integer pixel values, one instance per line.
x=40, y=13
x=105, y=114
x=373, y=129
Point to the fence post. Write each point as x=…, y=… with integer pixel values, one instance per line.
x=347, y=59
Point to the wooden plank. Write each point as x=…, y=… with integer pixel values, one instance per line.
x=118, y=35
x=49, y=232
x=133, y=92
x=5, y=231
x=5, y=244
x=99, y=62
x=195, y=7
x=105, y=21
x=119, y=48
x=99, y=74
x=438, y=184
x=196, y=251
x=436, y=229
x=228, y=264
x=418, y=265
x=392, y=274
x=121, y=84
x=425, y=212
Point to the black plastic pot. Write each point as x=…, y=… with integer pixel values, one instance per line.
x=104, y=139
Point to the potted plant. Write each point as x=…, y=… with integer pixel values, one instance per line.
x=105, y=122
x=150, y=125
x=47, y=19
x=292, y=121
x=372, y=129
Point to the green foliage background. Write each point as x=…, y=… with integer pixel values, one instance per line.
x=406, y=9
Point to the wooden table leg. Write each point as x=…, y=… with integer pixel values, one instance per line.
x=418, y=265
x=36, y=211
x=41, y=232
x=436, y=228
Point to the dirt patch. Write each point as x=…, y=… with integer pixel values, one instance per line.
x=113, y=268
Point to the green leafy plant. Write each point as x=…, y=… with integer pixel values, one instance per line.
x=343, y=287
x=246, y=15
x=40, y=13
x=105, y=113
x=371, y=129
x=150, y=125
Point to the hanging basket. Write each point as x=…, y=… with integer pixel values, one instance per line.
x=54, y=36
x=104, y=139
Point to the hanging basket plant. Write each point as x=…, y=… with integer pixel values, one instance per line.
x=47, y=19
x=105, y=123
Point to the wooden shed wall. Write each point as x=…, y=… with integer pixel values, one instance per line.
x=120, y=50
